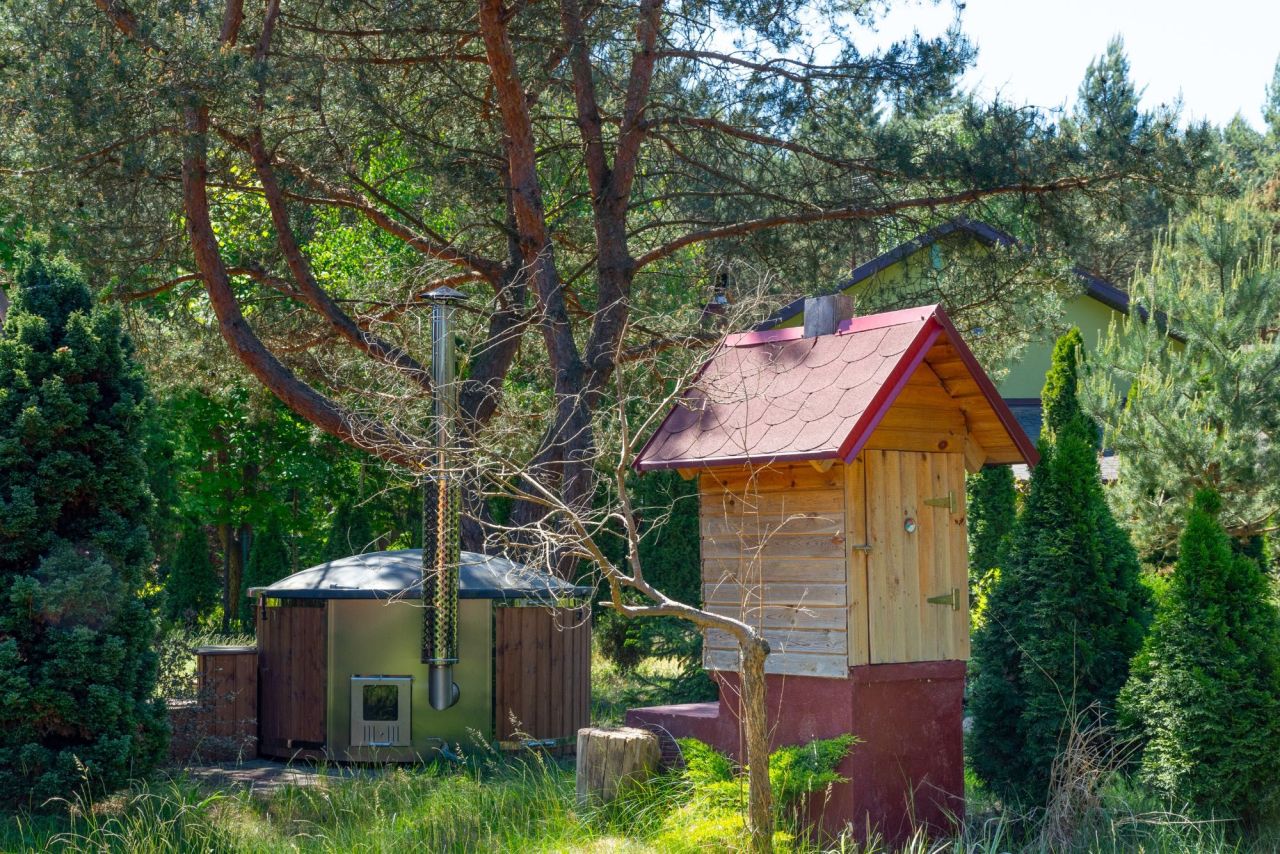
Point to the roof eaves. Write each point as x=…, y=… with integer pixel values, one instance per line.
x=891, y=388
x=988, y=389
x=741, y=460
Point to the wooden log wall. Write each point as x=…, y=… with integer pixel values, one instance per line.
x=293, y=677
x=774, y=555
x=542, y=674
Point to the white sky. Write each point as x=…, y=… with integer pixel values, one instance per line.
x=1218, y=54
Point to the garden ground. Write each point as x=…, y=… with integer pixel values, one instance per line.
x=503, y=804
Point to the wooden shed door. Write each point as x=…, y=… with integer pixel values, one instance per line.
x=292, y=660
x=917, y=581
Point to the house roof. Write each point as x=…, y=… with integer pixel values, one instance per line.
x=1094, y=286
x=383, y=575
x=776, y=396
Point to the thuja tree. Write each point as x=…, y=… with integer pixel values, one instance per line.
x=1068, y=611
x=993, y=510
x=1188, y=400
x=270, y=559
x=191, y=586
x=77, y=670
x=1205, y=690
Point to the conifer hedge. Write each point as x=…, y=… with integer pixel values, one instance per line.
x=269, y=561
x=77, y=660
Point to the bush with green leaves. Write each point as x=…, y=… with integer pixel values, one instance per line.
x=350, y=531
x=1205, y=690
x=670, y=551
x=712, y=816
x=77, y=668
x=1068, y=610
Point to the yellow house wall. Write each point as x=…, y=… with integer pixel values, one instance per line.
x=1025, y=377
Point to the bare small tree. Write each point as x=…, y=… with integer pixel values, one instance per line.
x=578, y=533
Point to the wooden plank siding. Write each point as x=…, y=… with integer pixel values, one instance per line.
x=906, y=569
x=536, y=649
x=774, y=554
x=822, y=562
x=292, y=676
x=227, y=684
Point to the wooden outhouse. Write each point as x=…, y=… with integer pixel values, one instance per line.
x=831, y=470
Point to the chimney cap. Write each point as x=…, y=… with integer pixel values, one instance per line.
x=444, y=294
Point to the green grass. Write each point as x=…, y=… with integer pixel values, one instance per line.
x=514, y=806
x=518, y=805
x=613, y=690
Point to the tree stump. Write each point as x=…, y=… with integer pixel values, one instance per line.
x=609, y=760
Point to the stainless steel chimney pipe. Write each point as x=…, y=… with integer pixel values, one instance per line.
x=440, y=511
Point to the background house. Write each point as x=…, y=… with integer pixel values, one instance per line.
x=1097, y=304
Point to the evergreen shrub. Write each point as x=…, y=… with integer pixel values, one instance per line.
x=269, y=561
x=77, y=664
x=191, y=588
x=350, y=530
x=1068, y=610
x=670, y=552
x=1205, y=690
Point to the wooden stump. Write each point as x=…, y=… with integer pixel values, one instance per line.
x=611, y=759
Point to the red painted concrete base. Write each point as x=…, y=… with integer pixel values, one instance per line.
x=909, y=769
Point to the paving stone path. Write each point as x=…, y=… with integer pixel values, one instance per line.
x=262, y=776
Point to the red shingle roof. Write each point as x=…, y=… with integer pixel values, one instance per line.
x=774, y=395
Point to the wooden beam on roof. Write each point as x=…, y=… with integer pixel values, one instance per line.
x=975, y=457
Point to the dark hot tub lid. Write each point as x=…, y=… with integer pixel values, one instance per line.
x=383, y=575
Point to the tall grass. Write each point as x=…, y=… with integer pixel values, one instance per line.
x=528, y=806
x=518, y=807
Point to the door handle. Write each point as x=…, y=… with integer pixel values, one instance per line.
x=952, y=599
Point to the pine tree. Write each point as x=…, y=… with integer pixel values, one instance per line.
x=1185, y=413
x=1271, y=109
x=1205, y=690
x=77, y=665
x=269, y=561
x=191, y=589
x=1112, y=237
x=1069, y=610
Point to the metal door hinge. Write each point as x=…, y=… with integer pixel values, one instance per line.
x=952, y=599
x=948, y=501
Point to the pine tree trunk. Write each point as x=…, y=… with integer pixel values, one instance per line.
x=755, y=725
